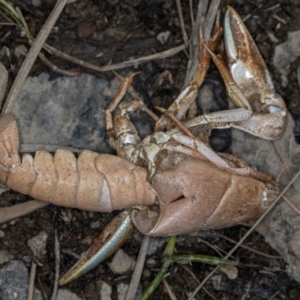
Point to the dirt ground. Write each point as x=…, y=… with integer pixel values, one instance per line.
x=118, y=31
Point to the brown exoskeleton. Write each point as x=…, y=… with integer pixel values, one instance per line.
x=195, y=187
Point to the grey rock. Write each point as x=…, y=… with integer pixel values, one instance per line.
x=281, y=226
x=68, y=111
x=286, y=53
x=14, y=282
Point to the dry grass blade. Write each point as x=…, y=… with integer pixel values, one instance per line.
x=205, y=19
x=182, y=25
x=31, y=56
x=31, y=281
x=20, y=210
x=57, y=267
x=139, y=266
x=3, y=81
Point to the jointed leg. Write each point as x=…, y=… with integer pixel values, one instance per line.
x=121, y=133
x=187, y=96
x=188, y=139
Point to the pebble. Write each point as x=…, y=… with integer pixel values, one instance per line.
x=121, y=263
x=105, y=290
x=64, y=294
x=85, y=30
x=2, y=234
x=217, y=282
x=163, y=37
x=230, y=271
x=37, y=3
x=14, y=282
x=5, y=256
x=37, y=244
x=155, y=242
x=95, y=224
x=122, y=290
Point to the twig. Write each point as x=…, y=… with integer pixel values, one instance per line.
x=71, y=253
x=209, y=294
x=121, y=44
x=57, y=264
x=181, y=21
x=252, y=13
x=272, y=7
x=125, y=64
x=3, y=81
x=169, y=291
x=20, y=210
x=31, y=56
x=194, y=44
x=56, y=69
x=31, y=281
x=247, y=247
x=137, y=273
x=187, y=269
x=245, y=236
x=210, y=19
x=191, y=12
x=274, y=295
x=42, y=288
x=291, y=204
x=276, y=17
x=211, y=246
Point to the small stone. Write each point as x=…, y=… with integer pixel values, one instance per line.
x=230, y=271
x=122, y=291
x=85, y=30
x=37, y=3
x=151, y=262
x=21, y=51
x=5, y=256
x=37, y=244
x=155, y=242
x=90, y=291
x=163, y=37
x=63, y=294
x=88, y=240
x=217, y=282
x=121, y=263
x=105, y=290
x=146, y=273
x=2, y=234
x=95, y=225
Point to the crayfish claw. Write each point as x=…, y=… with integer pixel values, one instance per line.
x=113, y=236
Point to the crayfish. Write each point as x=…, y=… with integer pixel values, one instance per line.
x=195, y=187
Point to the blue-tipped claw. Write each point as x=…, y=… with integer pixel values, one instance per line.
x=113, y=236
